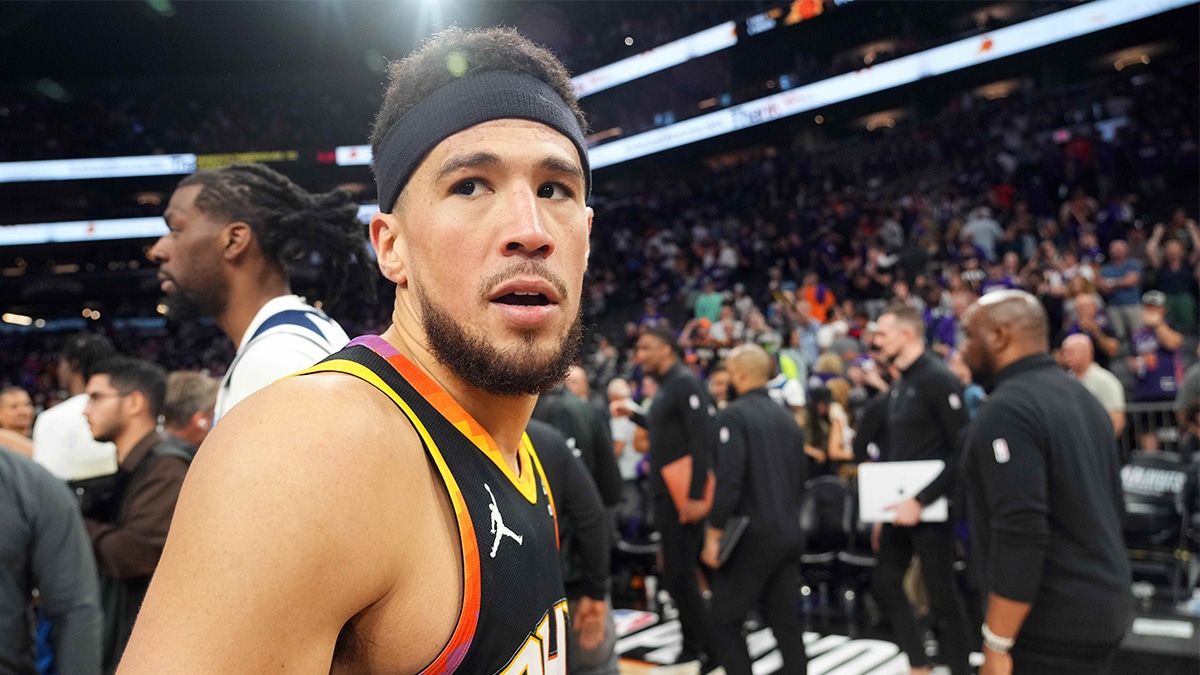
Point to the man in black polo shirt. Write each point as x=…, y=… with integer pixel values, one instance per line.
x=680, y=424
x=1044, y=490
x=925, y=417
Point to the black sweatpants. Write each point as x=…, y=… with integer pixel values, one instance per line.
x=681, y=546
x=933, y=543
x=757, y=571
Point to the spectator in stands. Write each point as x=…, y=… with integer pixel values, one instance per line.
x=189, y=408
x=125, y=398
x=819, y=297
x=1078, y=357
x=982, y=230
x=1175, y=273
x=1120, y=281
x=234, y=234
x=1091, y=323
x=823, y=435
x=1189, y=444
x=16, y=411
x=728, y=330
x=62, y=441
x=622, y=431
x=44, y=545
x=1154, y=353
x=708, y=303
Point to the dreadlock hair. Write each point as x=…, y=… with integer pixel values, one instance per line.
x=291, y=223
x=431, y=67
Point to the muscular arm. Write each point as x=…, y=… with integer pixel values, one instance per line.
x=284, y=531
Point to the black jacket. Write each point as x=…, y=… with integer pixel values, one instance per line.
x=680, y=423
x=926, y=416
x=760, y=468
x=1044, y=494
x=588, y=437
x=583, y=531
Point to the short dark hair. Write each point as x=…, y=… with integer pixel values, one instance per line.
x=666, y=336
x=906, y=315
x=83, y=351
x=290, y=223
x=188, y=393
x=128, y=374
x=415, y=77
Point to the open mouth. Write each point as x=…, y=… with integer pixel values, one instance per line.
x=523, y=299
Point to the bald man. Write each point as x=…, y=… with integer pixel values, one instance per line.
x=760, y=475
x=1078, y=356
x=1044, y=493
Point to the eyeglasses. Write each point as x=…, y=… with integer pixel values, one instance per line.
x=99, y=395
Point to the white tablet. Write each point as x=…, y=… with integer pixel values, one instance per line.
x=881, y=484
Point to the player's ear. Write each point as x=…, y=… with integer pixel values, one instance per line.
x=235, y=239
x=390, y=249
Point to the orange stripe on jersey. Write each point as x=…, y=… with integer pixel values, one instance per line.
x=454, y=413
x=452, y=654
x=549, y=492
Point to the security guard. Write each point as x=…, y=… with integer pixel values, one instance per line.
x=925, y=417
x=1044, y=490
x=760, y=474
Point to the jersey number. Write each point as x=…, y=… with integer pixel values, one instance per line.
x=538, y=656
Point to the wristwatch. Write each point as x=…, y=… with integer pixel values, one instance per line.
x=996, y=643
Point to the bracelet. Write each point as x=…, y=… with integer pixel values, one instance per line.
x=996, y=643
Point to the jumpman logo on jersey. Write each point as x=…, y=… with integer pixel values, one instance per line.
x=498, y=527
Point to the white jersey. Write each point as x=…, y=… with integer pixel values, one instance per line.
x=286, y=336
x=786, y=392
x=63, y=443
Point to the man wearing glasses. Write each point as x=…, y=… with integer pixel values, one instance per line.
x=125, y=398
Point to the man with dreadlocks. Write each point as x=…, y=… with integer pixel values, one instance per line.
x=387, y=513
x=233, y=234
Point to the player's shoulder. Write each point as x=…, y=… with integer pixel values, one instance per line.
x=312, y=428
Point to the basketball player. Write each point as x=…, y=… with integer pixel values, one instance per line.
x=232, y=234
x=387, y=513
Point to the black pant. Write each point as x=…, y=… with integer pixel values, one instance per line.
x=757, y=571
x=933, y=543
x=1036, y=656
x=681, y=546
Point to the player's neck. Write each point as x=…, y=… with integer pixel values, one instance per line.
x=243, y=303
x=503, y=417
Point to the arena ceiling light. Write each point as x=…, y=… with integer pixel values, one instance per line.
x=16, y=319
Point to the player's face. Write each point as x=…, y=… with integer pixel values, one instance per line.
x=189, y=257
x=490, y=252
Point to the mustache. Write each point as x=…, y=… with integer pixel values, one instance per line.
x=526, y=268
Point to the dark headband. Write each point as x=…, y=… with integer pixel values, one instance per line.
x=465, y=102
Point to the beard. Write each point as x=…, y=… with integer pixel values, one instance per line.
x=517, y=371
x=182, y=306
x=982, y=372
